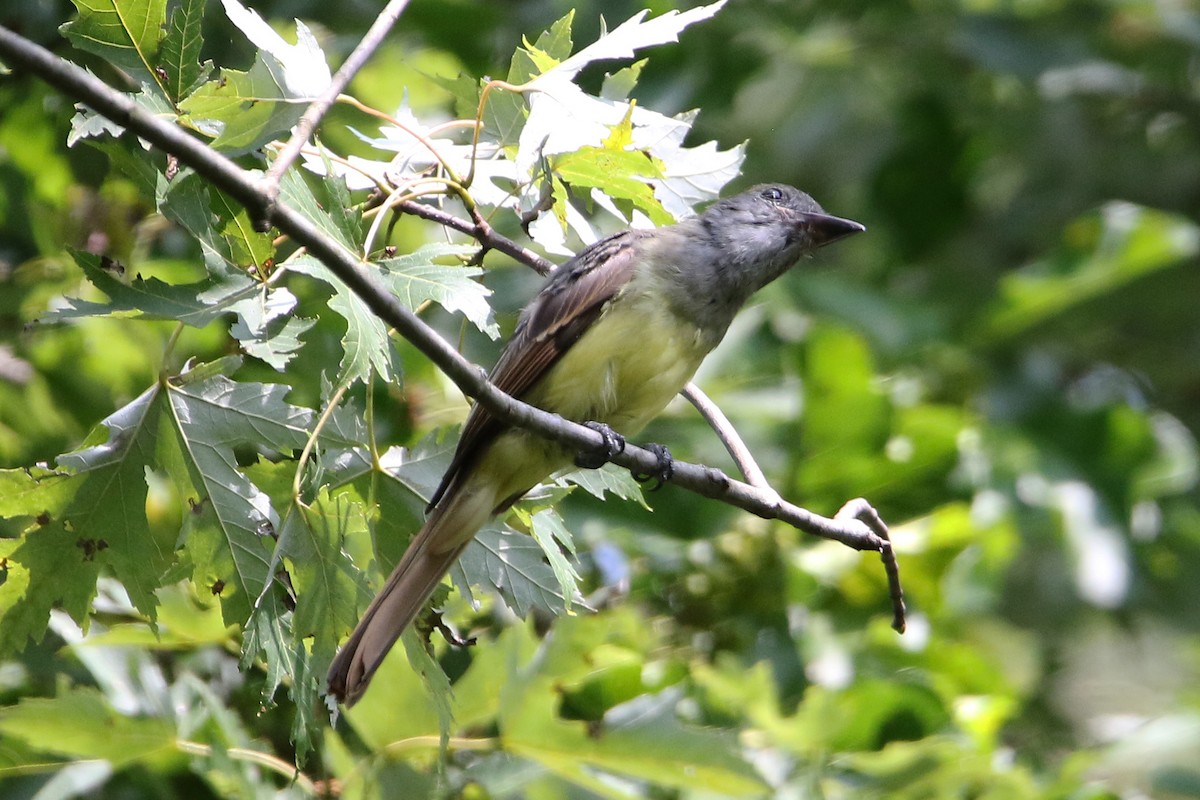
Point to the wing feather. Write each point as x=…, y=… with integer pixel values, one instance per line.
x=565, y=308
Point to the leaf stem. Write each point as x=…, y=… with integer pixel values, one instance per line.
x=271, y=762
x=306, y=453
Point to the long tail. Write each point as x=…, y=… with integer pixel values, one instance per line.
x=429, y=557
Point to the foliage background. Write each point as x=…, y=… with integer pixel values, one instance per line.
x=1006, y=365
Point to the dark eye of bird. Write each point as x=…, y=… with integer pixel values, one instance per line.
x=773, y=194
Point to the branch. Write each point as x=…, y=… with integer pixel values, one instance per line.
x=720, y=423
x=319, y=107
x=481, y=231
x=861, y=530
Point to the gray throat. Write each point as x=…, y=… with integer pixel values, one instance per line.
x=705, y=277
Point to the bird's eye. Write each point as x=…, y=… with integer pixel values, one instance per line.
x=773, y=194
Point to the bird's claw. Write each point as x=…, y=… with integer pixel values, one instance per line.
x=662, y=471
x=614, y=443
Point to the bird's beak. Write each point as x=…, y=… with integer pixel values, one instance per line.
x=824, y=229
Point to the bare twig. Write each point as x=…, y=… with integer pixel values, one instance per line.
x=483, y=233
x=720, y=423
x=859, y=509
x=859, y=528
x=319, y=107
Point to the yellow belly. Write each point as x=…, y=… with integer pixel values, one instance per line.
x=622, y=372
x=625, y=369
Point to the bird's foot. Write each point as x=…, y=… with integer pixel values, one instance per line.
x=614, y=443
x=662, y=472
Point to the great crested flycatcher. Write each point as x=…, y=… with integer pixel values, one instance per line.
x=613, y=336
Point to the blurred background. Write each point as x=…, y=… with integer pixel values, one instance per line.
x=1007, y=365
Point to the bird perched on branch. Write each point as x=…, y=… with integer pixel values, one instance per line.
x=612, y=337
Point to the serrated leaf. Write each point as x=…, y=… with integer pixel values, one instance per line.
x=636, y=33
x=553, y=45
x=126, y=33
x=619, y=173
x=267, y=635
x=329, y=588
x=301, y=67
x=181, y=50
x=81, y=724
x=195, y=304
x=415, y=279
x=243, y=111
x=246, y=110
x=249, y=248
x=343, y=224
x=92, y=514
x=207, y=215
x=45, y=568
x=420, y=468
x=504, y=117
x=465, y=91
x=89, y=124
x=608, y=479
x=618, y=85
x=515, y=565
x=549, y=532
x=234, y=550
x=265, y=327
x=366, y=348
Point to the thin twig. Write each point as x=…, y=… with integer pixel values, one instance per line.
x=850, y=530
x=720, y=423
x=319, y=107
x=862, y=511
x=485, y=234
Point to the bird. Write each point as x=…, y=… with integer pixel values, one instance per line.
x=612, y=337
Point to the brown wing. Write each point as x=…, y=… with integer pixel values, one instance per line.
x=549, y=325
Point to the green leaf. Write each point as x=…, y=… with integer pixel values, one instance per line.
x=232, y=548
x=334, y=214
x=185, y=622
x=195, y=304
x=516, y=566
x=397, y=684
x=249, y=248
x=45, y=568
x=608, y=479
x=618, y=85
x=415, y=280
x=221, y=226
x=88, y=124
x=549, y=531
x=329, y=588
x=619, y=173
x=80, y=723
x=554, y=45
x=246, y=110
x=366, y=348
x=126, y=33
x=641, y=739
x=92, y=513
x=266, y=328
x=243, y=110
x=181, y=50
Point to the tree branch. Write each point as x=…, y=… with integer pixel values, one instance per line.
x=481, y=231
x=728, y=435
x=318, y=108
x=849, y=529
